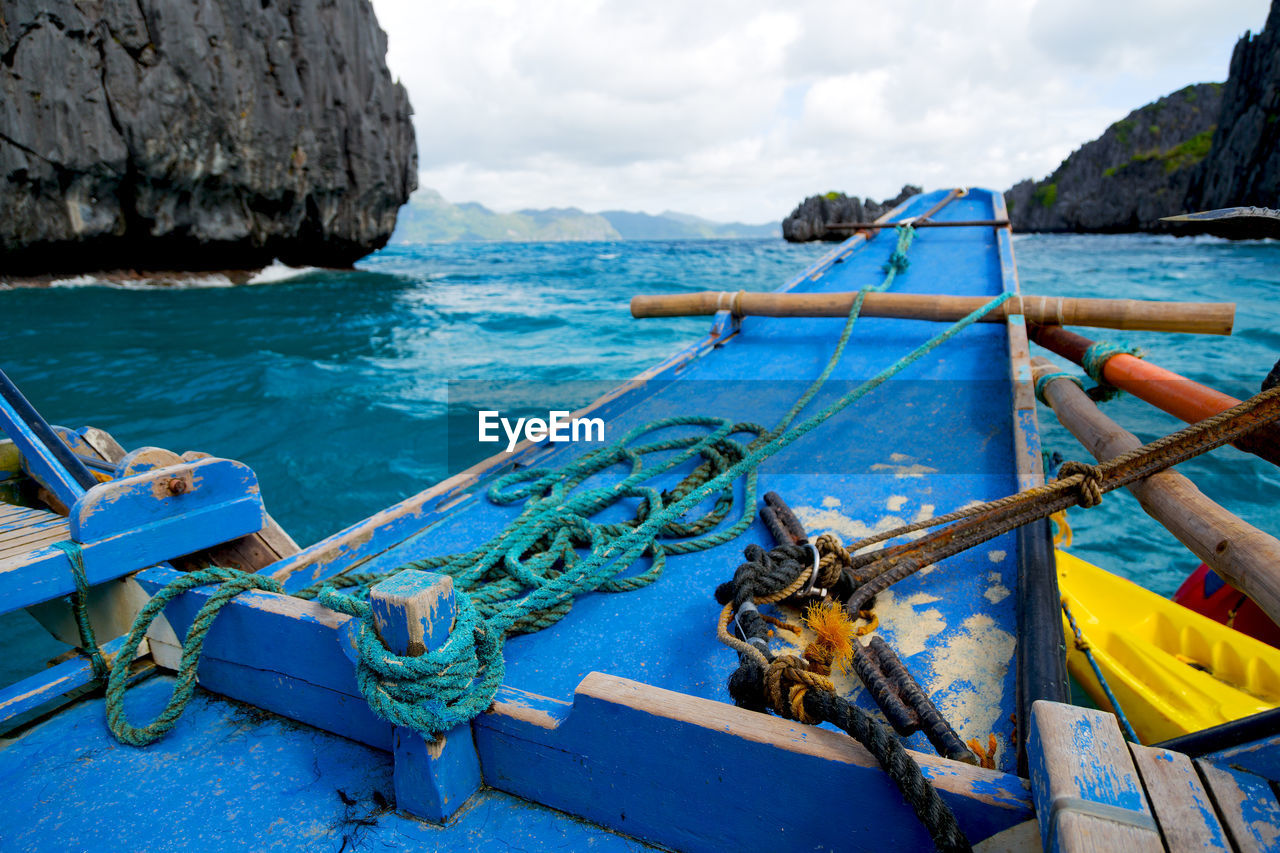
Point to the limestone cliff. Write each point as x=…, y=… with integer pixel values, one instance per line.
x=1136, y=172
x=194, y=135
x=810, y=218
x=1243, y=166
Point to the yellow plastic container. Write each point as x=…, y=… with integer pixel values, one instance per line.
x=1172, y=670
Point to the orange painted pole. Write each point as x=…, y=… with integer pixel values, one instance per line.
x=1181, y=397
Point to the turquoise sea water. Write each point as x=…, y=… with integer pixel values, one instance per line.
x=333, y=386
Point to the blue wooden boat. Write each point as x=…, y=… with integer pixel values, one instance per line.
x=614, y=725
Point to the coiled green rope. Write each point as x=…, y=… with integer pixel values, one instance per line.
x=528, y=576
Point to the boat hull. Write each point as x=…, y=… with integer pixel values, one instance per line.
x=1172, y=670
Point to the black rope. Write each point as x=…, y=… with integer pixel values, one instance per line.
x=767, y=572
x=936, y=815
x=746, y=686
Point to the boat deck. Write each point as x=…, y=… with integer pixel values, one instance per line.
x=937, y=438
x=623, y=749
x=232, y=777
x=23, y=530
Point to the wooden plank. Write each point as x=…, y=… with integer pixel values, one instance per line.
x=414, y=613
x=1181, y=804
x=102, y=442
x=29, y=694
x=1026, y=427
x=36, y=530
x=30, y=540
x=621, y=741
x=293, y=698
x=1259, y=757
x=1210, y=318
x=128, y=524
x=18, y=518
x=1246, y=804
x=1244, y=556
x=51, y=466
x=1088, y=795
x=626, y=755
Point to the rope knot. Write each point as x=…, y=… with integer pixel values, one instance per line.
x=1090, y=481
x=898, y=263
x=786, y=682
x=1095, y=359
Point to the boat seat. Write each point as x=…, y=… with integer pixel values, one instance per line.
x=23, y=530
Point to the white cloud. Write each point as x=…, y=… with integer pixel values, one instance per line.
x=738, y=110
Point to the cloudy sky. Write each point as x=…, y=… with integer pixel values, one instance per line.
x=736, y=111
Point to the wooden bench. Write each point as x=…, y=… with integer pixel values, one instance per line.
x=1093, y=791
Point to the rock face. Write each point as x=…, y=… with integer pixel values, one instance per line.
x=810, y=219
x=1243, y=166
x=211, y=134
x=1138, y=171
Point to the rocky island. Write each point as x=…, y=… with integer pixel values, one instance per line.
x=1205, y=146
x=177, y=136
x=812, y=218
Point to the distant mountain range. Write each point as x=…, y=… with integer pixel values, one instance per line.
x=430, y=218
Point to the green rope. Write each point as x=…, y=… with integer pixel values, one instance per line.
x=529, y=574
x=232, y=583
x=1049, y=377
x=510, y=591
x=1095, y=358
x=80, y=606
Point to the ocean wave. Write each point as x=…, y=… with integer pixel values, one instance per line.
x=277, y=272
x=148, y=281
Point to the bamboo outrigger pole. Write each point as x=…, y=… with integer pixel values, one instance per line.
x=1181, y=397
x=1208, y=318
x=1247, y=558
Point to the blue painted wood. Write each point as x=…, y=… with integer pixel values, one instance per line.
x=691, y=774
x=1260, y=757
x=230, y=778
x=128, y=524
x=1182, y=806
x=527, y=745
x=414, y=612
x=20, y=518
x=1084, y=782
x=50, y=460
x=32, y=692
x=1247, y=805
x=268, y=632
x=134, y=502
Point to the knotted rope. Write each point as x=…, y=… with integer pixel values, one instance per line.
x=1094, y=360
x=432, y=691
x=787, y=687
